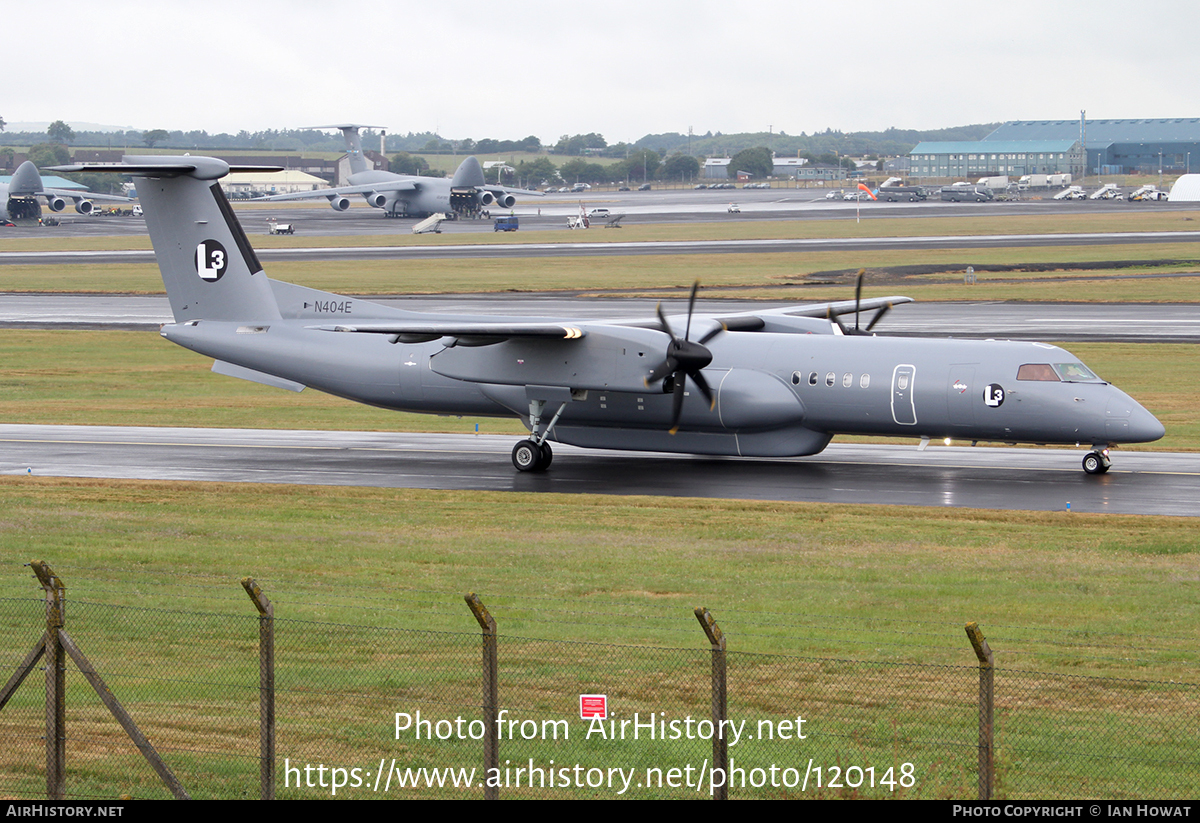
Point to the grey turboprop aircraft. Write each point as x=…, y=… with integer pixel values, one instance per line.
x=406, y=195
x=18, y=197
x=777, y=382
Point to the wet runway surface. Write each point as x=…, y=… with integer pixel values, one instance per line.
x=991, y=478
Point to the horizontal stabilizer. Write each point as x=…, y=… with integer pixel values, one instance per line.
x=201, y=168
x=242, y=373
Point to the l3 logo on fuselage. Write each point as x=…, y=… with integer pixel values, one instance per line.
x=993, y=395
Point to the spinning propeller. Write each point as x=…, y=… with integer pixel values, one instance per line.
x=685, y=358
x=884, y=309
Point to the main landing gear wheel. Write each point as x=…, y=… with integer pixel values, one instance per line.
x=528, y=456
x=1095, y=463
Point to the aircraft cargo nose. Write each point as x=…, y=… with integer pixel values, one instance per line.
x=1127, y=421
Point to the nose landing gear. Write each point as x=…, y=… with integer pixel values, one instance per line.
x=1096, y=462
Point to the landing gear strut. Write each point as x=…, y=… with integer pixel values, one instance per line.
x=1096, y=462
x=534, y=454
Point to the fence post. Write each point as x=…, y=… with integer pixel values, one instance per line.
x=720, y=707
x=56, y=666
x=491, y=689
x=986, y=704
x=266, y=687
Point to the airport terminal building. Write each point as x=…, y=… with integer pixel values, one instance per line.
x=985, y=158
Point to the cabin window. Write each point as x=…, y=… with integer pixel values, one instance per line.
x=812, y=379
x=830, y=379
x=847, y=380
x=1037, y=371
x=865, y=381
x=795, y=378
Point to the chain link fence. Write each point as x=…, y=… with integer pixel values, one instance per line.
x=342, y=710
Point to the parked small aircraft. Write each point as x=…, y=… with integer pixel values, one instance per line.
x=406, y=195
x=776, y=382
x=18, y=197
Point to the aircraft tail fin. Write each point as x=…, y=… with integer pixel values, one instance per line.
x=358, y=161
x=208, y=266
x=468, y=175
x=25, y=180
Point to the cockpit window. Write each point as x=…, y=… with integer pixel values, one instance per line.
x=1037, y=371
x=1075, y=372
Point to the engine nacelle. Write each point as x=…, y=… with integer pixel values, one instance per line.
x=505, y=201
x=376, y=199
x=56, y=203
x=485, y=198
x=85, y=206
x=339, y=203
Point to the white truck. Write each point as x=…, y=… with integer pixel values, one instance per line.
x=1034, y=181
x=1060, y=181
x=999, y=183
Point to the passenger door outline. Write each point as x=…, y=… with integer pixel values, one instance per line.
x=904, y=409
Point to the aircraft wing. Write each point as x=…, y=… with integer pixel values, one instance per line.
x=85, y=195
x=383, y=186
x=757, y=320
x=837, y=308
x=467, y=333
x=521, y=192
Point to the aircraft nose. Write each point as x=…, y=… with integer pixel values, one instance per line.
x=1128, y=421
x=1145, y=427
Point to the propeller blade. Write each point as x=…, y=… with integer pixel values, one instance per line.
x=676, y=404
x=691, y=305
x=713, y=333
x=702, y=384
x=858, y=297
x=662, y=321
x=884, y=309
x=829, y=315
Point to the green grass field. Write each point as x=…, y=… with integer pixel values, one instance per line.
x=850, y=615
x=773, y=276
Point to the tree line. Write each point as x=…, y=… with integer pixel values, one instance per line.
x=830, y=142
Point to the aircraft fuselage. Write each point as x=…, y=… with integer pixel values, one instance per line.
x=432, y=195
x=775, y=394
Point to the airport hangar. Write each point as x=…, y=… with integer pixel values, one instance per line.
x=1122, y=146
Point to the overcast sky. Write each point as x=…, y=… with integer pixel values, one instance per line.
x=619, y=67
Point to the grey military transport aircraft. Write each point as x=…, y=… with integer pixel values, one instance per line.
x=406, y=195
x=18, y=197
x=773, y=383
